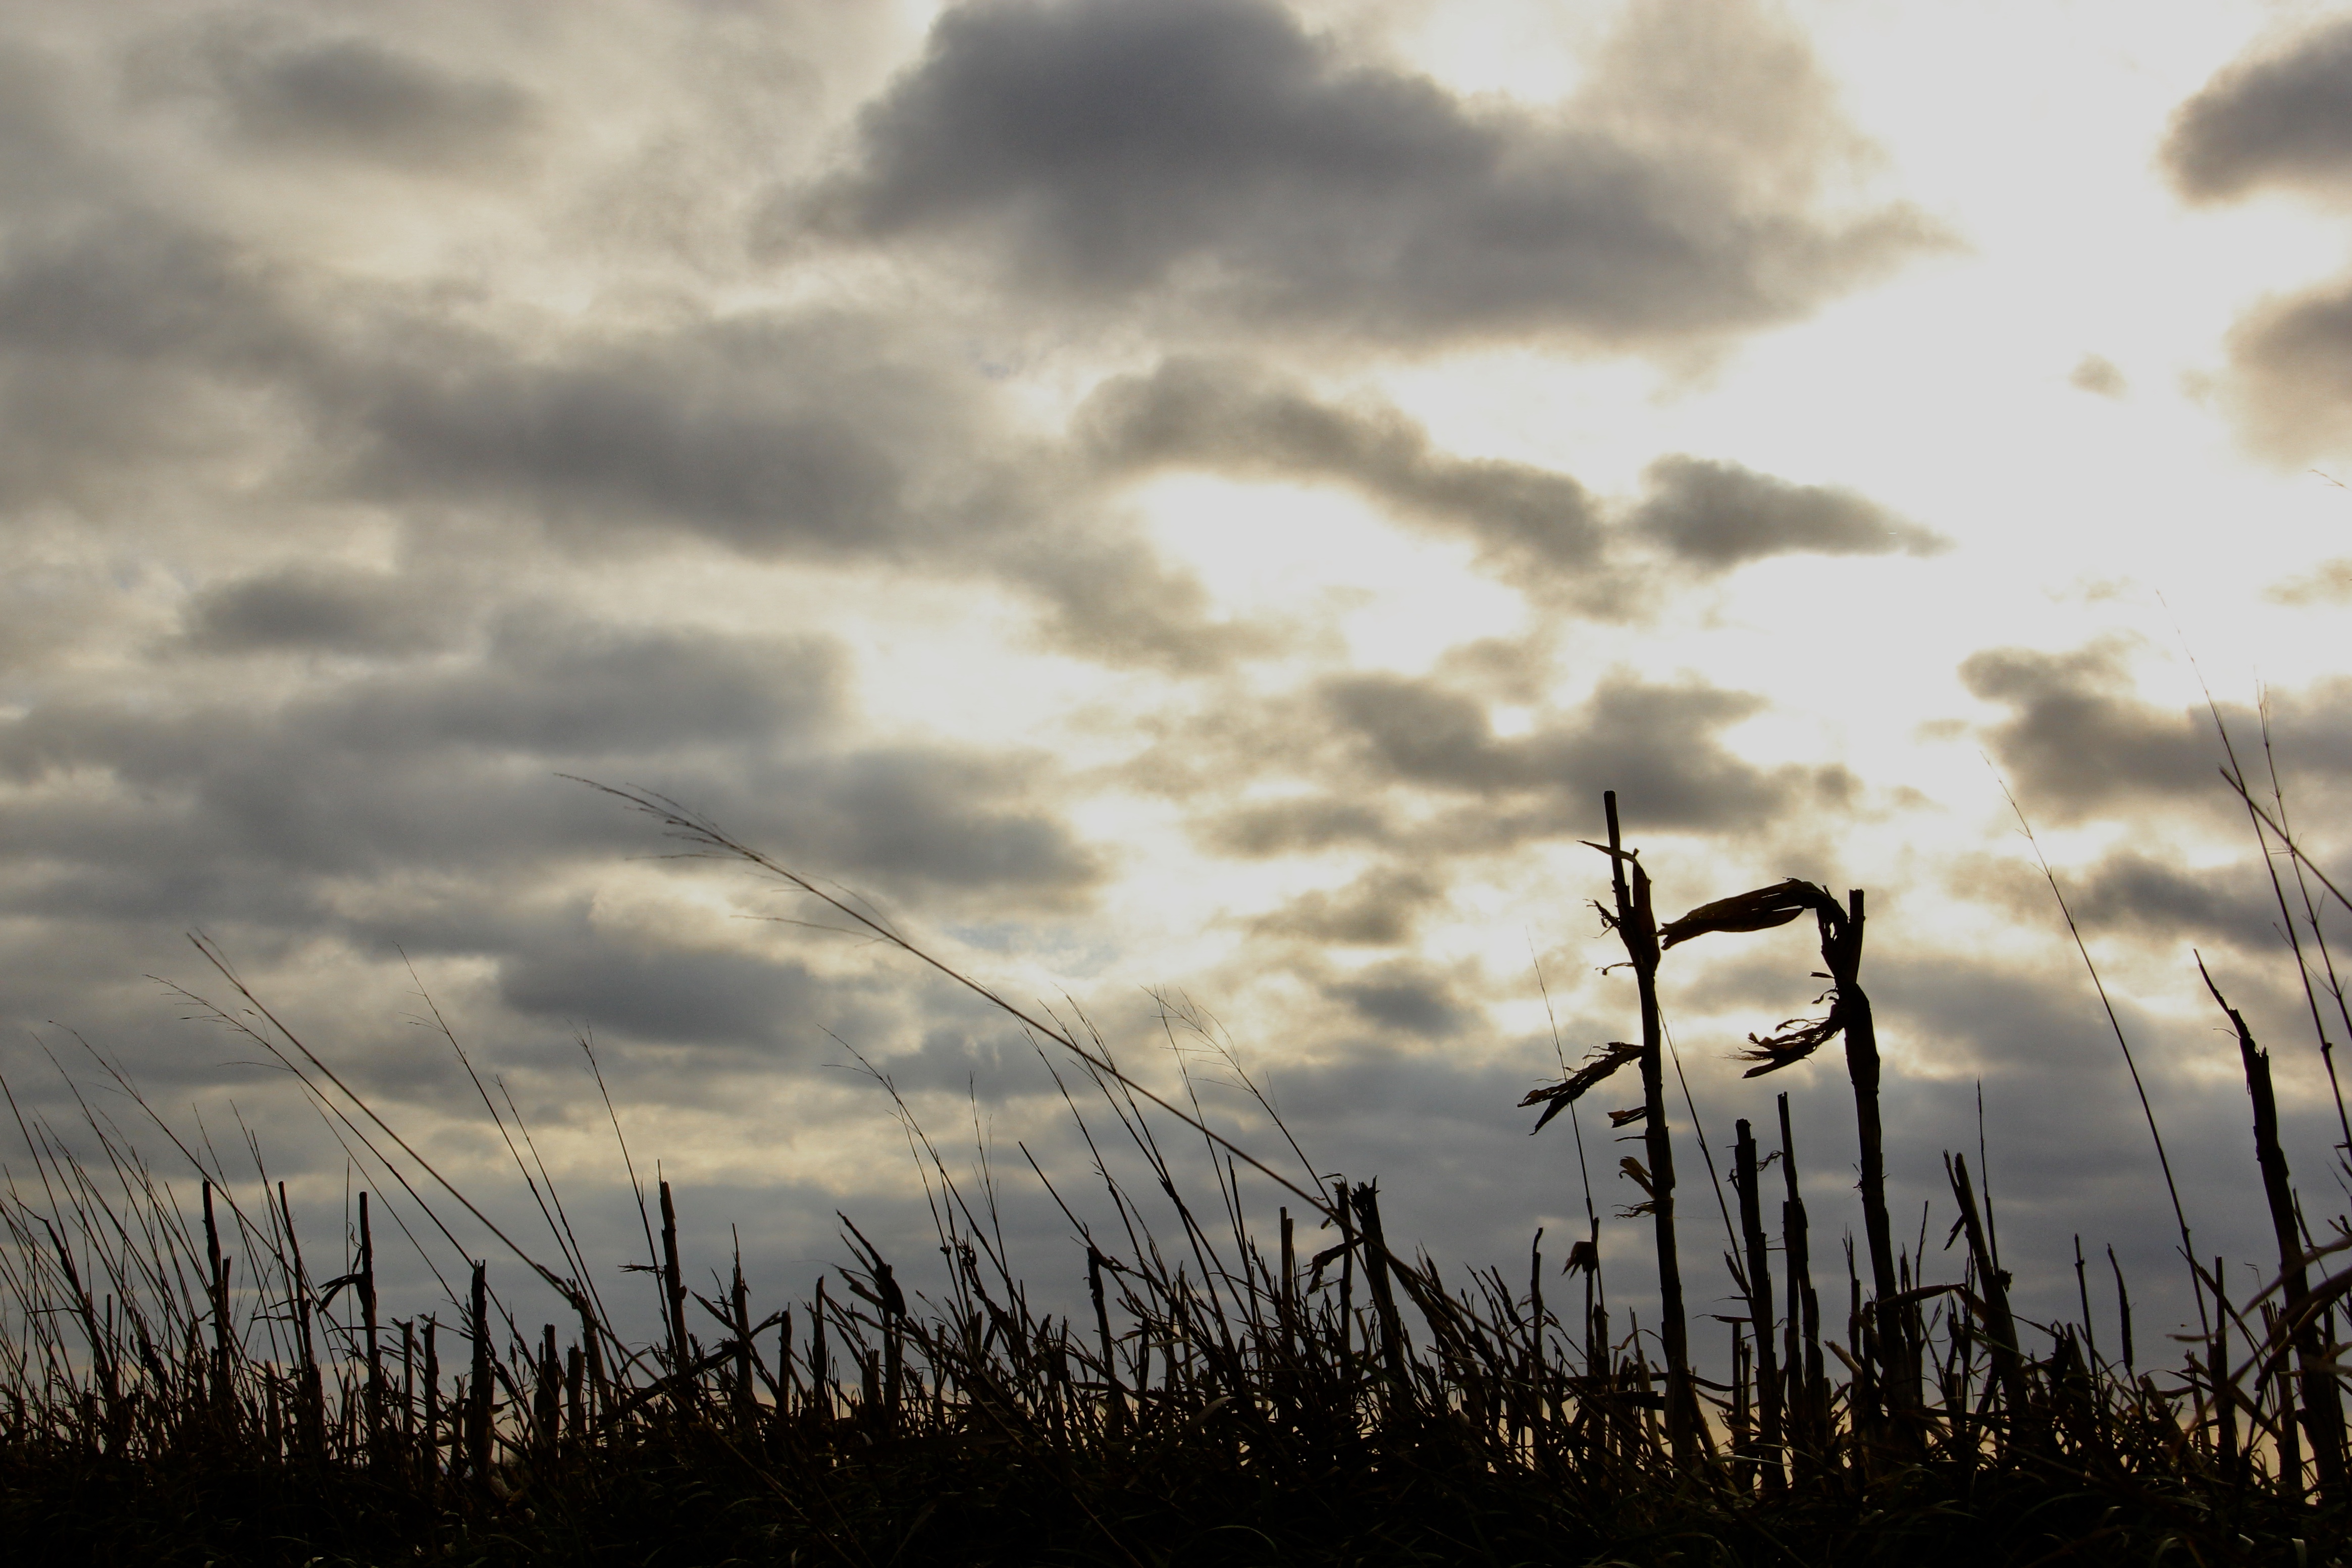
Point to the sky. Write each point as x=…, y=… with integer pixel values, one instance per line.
x=1185, y=506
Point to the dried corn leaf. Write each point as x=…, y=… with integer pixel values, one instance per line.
x=1324, y=1260
x=1639, y=1172
x=1631, y=1114
x=1759, y=911
x=1796, y=1039
x=1558, y=1097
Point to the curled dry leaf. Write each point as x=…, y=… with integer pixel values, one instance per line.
x=1558, y=1097
x=1759, y=911
x=1794, y=1041
x=1639, y=1172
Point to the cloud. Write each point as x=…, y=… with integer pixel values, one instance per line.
x=2327, y=582
x=1538, y=528
x=1406, y=782
x=912, y=816
x=1236, y=417
x=141, y=356
x=44, y=158
x=554, y=687
x=1717, y=515
x=2097, y=375
x=817, y=435
x=2213, y=904
x=773, y=436
x=1111, y=598
x=1291, y=826
x=2291, y=382
x=1656, y=744
x=2079, y=738
x=321, y=610
x=131, y=345
x=353, y=98
x=1406, y=996
x=1378, y=909
x=627, y=983
x=2279, y=117
x=444, y=768
x=1216, y=154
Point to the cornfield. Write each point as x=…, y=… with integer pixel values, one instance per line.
x=183, y=1385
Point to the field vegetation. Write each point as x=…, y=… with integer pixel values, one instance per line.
x=180, y=1382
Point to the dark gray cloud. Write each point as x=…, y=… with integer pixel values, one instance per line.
x=1539, y=528
x=41, y=159
x=442, y=767
x=1291, y=826
x=2280, y=116
x=1414, y=767
x=1407, y=997
x=2224, y=903
x=132, y=347
x=2070, y=1141
x=144, y=357
x=136, y=286
x=1218, y=153
x=1235, y=418
x=1411, y=773
x=967, y=1050
x=153, y=357
x=349, y=96
x=2079, y=738
x=555, y=688
x=237, y=806
x=322, y=610
x=1657, y=745
x=914, y=816
x=626, y=984
x=815, y=435
x=1378, y=908
x=1109, y=597
x=769, y=437
x=1717, y=515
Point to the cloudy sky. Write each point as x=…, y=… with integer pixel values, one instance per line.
x=1181, y=503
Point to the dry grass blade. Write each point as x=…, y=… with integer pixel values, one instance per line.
x=684, y=824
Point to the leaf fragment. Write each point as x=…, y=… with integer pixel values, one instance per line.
x=1796, y=1039
x=1759, y=911
x=1558, y=1097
